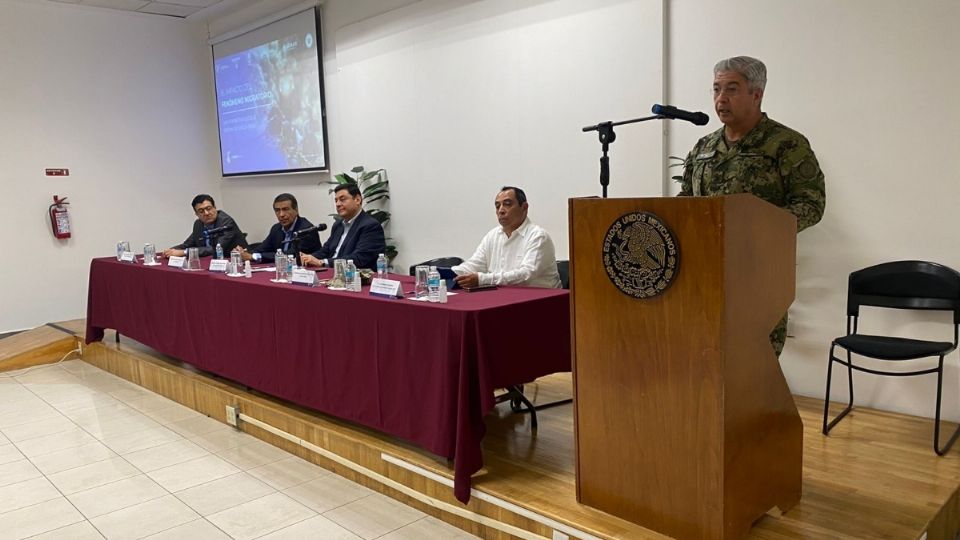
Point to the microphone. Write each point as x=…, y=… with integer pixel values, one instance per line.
x=667, y=111
x=316, y=228
x=218, y=230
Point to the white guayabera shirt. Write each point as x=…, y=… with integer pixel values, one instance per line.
x=526, y=258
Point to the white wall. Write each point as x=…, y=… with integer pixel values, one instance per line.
x=873, y=85
x=457, y=99
x=124, y=101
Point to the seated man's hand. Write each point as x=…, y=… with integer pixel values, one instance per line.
x=310, y=260
x=468, y=280
x=171, y=252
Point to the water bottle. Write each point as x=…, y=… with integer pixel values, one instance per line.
x=382, y=266
x=433, y=284
x=351, y=276
x=291, y=262
x=280, y=263
x=219, y=251
x=443, y=291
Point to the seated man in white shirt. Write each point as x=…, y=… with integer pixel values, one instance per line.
x=515, y=253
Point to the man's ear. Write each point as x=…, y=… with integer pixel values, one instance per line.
x=525, y=206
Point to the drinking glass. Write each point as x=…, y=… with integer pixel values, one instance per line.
x=236, y=262
x=193, y=259
x=421, y=273
x=149, y=254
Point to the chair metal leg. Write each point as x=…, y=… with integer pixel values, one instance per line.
x=827, y=426
x=519, y=403
x=936, y=425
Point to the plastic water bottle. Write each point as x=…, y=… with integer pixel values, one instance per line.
x=291, y=262
x=443, y=291
x=280, y=263
x=219, y=251
x=351, y=276
x=433, y=284
x=382, y=266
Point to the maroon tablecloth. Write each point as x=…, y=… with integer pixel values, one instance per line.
x=422, y=372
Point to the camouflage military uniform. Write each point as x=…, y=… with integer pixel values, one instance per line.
x=772, y=162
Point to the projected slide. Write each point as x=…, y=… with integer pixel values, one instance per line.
x=270, y=107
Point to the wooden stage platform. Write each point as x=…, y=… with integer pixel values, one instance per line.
x=875, y=476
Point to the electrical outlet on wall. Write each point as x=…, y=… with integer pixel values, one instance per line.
x=233, y=415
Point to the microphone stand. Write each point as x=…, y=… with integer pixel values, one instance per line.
x=296, y=249
x=607, y=136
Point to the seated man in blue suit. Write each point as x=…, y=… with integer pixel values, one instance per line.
x=357, y=235
x=280, y=236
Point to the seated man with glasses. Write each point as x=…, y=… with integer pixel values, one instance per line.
x=227, y=232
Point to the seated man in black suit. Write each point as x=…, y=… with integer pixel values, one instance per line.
x=209, y=218
x=280, y=236
x=357, y=235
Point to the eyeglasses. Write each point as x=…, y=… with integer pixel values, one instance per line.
x=205, y=210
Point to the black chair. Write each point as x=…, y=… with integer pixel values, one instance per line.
x=445, y=262
x=914, y=285
x=563, y=268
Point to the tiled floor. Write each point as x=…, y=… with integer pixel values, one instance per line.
x=85, y=454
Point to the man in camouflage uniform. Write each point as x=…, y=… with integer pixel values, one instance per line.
x=753, y=154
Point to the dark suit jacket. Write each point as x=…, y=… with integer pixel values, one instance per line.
x=363, y=244
x=274, y=240
x=228, y=239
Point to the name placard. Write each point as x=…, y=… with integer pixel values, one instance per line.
x=176, y=262
x=302, y=276
x=218, y=265
x=386, y=288
x=127, y=256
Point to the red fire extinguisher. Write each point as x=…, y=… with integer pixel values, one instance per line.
x=60, y=217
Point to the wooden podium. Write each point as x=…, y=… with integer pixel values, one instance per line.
x=684, y=421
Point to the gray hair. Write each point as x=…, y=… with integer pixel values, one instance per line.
x=752, y=70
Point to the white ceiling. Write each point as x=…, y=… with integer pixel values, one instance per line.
x=184, y=9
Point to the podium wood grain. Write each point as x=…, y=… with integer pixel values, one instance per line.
x=684, y=421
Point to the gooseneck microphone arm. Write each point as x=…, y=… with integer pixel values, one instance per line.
x=607, y=136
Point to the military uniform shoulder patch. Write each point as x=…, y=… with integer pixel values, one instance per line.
x=640, y=255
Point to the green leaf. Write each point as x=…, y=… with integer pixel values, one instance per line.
x=357, y=169
x=344, y=178
x=373, y=191
x=376, y=198
x=370, y=174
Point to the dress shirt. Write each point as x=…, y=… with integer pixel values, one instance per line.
x=347, y=225
x=524, y=258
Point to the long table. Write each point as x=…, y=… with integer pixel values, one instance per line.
x=423, y=372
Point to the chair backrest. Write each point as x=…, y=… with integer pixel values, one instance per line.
x=445, y=262
x=905, y=285
x=563, y=268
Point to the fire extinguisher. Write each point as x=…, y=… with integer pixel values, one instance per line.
x=60, y=217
